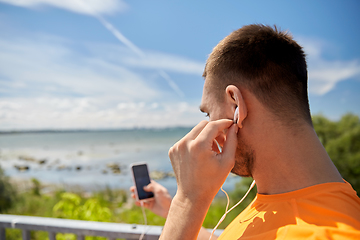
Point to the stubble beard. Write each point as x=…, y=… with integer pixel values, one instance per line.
x=244, y=160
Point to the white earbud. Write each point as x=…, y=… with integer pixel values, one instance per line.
x=236, y=115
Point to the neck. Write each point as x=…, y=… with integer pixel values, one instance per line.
x=289, y=161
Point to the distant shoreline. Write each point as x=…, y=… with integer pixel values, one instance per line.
x=8, y=132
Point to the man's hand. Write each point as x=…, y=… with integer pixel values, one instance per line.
x=200, y=170
x=160, y=204
x=199, y=166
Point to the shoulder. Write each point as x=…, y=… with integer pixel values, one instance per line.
x=315, y=212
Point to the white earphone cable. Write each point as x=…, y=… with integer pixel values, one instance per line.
x=145, y=220
x=227, y=206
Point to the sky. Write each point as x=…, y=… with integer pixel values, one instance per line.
x=105, y=64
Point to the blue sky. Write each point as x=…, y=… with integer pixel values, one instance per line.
x=76, y=64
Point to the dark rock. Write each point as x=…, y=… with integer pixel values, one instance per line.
x=27, y=158
x=42, y=161
x=114, y=167
x=61, y=167
x=22, y=168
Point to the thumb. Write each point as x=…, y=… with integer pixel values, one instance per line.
x=149, y=187
x=230, y=145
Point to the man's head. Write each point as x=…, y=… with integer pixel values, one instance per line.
x=269, y=64
x=271, y=67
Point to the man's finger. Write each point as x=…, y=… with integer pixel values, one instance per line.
x=230, y=145
x=213, y=130
x=196, y=130
x=215, y=147
x=221, y=139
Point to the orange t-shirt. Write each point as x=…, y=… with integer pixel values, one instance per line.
x=324, y=211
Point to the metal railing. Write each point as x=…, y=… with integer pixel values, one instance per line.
x=80, y=228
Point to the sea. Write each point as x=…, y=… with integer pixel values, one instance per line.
x=91, y=160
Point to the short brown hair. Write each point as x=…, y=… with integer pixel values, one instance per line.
x=267, y=62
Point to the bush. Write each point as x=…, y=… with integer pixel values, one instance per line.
x=72, y=206
x=36, y=187
x=7, y=192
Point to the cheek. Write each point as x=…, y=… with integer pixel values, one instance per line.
x=215, y=115
x=221, y=115
x=242, y=145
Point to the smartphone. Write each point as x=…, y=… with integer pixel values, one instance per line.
x=140, y=173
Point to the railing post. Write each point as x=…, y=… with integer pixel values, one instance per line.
x=80, y=237
x=52, y=235
x=2, y=234
x=25, y=234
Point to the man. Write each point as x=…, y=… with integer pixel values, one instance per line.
x=301, y=195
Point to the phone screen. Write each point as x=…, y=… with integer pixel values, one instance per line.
x=141, y=178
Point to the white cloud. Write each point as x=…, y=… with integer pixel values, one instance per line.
x=46, y=83
x=49, y=66
x=90, y=113
x=325, y=74
x=9, y=105
x=96, y=8
x=89, y=7
x=156, y=60
x=150, y=60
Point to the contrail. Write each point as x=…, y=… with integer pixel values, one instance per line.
x=131, y=46
x=171, y=83
x=120, y=36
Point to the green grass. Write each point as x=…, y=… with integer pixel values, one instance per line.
x=108, y=205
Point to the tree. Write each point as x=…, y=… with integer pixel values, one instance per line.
x=341, y=140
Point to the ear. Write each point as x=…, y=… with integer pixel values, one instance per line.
x=233, y=94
